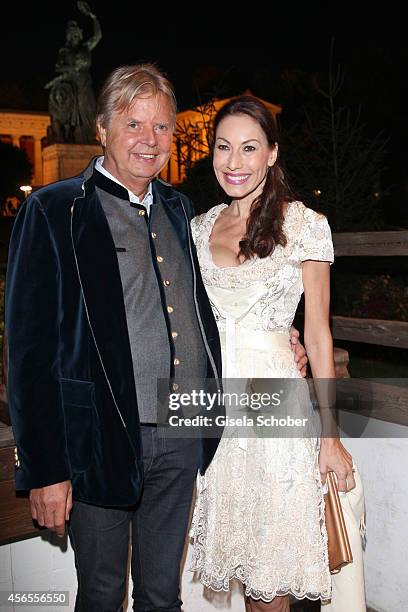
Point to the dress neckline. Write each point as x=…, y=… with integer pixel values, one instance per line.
x=215, y=213
x=214, y=216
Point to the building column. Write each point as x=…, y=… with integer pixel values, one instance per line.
x=38, y=163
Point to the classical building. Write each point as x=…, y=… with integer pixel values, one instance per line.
x=28, y=130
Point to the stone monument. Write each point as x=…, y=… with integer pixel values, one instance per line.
x=71, y=104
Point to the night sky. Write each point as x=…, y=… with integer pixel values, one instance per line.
x=255, y=49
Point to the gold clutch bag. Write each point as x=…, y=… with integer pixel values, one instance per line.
x=338, y=541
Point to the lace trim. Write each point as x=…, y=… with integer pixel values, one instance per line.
x=212, y=577
x=309, y=237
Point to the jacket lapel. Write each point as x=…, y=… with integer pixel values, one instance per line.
x=99, y=275
x=174, y=211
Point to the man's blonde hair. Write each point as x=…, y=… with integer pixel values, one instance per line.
x=125, y=84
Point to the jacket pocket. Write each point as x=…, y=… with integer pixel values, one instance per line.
x=78, y=398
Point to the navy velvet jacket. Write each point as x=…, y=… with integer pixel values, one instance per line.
x=71, y=387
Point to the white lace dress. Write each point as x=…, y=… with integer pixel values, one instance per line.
x=259, y=514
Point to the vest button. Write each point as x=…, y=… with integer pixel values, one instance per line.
x=174, y=334
x=160, y=258
x=167, y=283
x=170, y=309
x=174, y=386
x=176, y=361
x=154, y=235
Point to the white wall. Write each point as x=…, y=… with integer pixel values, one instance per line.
x=383, y=464
x=39, y=563
x=47, y=563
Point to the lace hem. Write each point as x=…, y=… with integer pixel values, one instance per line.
x=314, y=584
x=266, y=596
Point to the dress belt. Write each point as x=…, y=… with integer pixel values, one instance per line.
x=235, y=336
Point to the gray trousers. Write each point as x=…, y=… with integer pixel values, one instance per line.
x=100, y=536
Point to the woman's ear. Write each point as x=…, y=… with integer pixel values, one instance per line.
x=273, y=155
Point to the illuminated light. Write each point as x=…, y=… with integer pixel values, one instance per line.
x=27, y=189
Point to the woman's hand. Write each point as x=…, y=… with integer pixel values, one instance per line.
x=84, y=8
x=333, y=457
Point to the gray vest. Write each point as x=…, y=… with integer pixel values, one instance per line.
x=158, y=293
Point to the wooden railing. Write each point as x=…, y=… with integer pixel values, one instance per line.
x=371, y=244
x=370, y=331
x=393, y=406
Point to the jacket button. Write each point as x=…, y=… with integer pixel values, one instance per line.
x=175, y=386
x=154, y=235
x=142, y=213
x=177, y=361
x=16, y=459
x=174, y=334
x=167, y=283
x=160, y=258
x=170, y=309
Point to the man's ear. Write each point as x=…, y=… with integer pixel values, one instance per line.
x=101, y=133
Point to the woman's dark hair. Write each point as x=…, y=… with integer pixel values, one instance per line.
x=264, y=226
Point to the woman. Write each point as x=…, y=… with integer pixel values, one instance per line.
x=259, y=514
x=72, y=101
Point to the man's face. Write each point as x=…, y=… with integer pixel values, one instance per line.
x=138, y=142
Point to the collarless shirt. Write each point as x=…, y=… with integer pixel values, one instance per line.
x=147, y=201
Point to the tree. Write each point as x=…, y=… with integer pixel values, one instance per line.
x=16, y=170
x=334, y=164
x=194, y=154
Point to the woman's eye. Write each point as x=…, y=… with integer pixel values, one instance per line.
x=222, y=147
x=249, y=148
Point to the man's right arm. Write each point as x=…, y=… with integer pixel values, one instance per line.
x=33, y=314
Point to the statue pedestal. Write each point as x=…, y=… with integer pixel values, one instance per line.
x=62, y=161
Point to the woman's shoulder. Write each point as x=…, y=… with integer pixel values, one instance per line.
x=299, y=208
x=209, y=214
x=311, y=233
x=199, y=222
x=300, y=213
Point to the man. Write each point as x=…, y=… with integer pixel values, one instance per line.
x=104, y=297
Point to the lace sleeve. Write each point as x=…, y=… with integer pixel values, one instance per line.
x=315, y=241
x=194, y=229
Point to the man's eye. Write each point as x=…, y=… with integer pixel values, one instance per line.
x=162, y=127
x=133, y=124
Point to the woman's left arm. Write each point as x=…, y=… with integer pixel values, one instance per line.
x=319, y=346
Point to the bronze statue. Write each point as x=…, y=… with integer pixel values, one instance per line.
x=72, y=101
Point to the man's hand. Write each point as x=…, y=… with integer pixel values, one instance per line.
x=50, y=506
x=299, y=350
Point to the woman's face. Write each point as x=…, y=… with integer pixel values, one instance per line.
x=242, y=156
